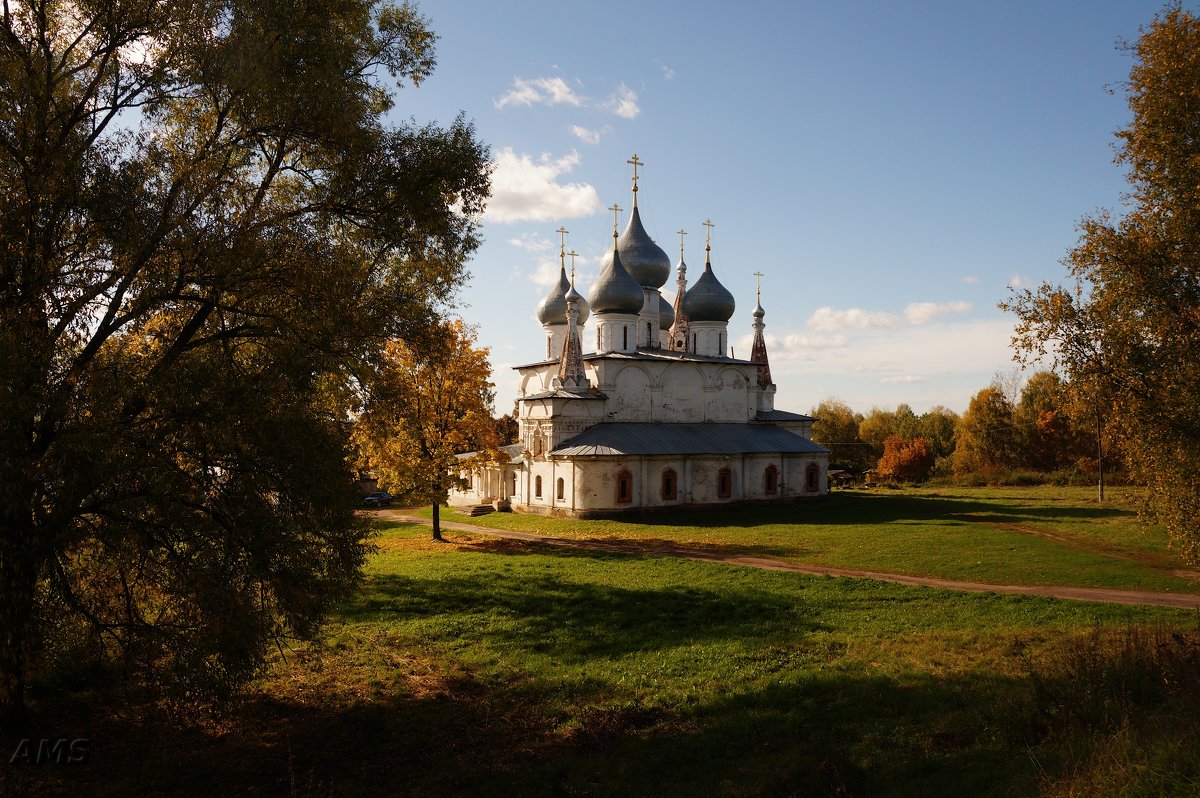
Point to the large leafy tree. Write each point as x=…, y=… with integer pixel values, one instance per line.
x=207, y=229
x=1127, y=332
x=429, y=402
x=986, y=436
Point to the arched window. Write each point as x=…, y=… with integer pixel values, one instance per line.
x=624, y=337
x=721, y=344
x=537, y=487
x=649, y=334
x=624, y=487
x=771, y=480
x=670, y=485
x=694, y=350
x=724, y=483
x=812, y=478
x=561, y=488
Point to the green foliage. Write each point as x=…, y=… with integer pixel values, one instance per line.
x=985, y=437
x=835, y=427
x=1128, y=334
x=206, y=230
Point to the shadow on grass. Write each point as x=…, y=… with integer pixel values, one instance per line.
x=829, y=734
x=652, y=546
x=872, y=507
x=576, y=620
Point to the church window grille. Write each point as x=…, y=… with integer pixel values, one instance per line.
x=537, y=487
x=771, y=480
x=670, y=485
x=624, y=487
x=562, y=489
x=724, y=483
x=812, y=478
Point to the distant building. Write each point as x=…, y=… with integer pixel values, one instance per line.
x=657, y=415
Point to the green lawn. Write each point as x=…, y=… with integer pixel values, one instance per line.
x=999, y=535
x=490, y=667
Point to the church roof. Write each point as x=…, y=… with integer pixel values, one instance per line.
x=615, y=290
x=632, y=438
x=781, y=415
x=707, y=299
x=645, y=260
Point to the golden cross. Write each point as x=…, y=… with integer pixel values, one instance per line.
x=682, y=233
x=615, y=209
x=636, y=163
x=708, y=234
x=758, y=286
x=572, y=253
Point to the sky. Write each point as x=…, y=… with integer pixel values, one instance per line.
x=894, y=169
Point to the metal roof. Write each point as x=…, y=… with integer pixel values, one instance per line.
x=622, y=438
x=781, y=415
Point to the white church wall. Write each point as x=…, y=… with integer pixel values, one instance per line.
x=682, y=396
x=729, y=397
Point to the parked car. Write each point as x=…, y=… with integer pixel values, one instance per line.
x=379, y=498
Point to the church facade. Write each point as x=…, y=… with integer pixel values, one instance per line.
x=656, y=414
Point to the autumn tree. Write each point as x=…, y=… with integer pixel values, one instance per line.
x=906, y=459
x=207, y=225
x=985, y=436
x=835, y=426
x=937, y=425
x=1128, y=329
x=429, y=402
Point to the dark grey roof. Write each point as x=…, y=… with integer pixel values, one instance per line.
x=781, y=415
x=707, y=299
x=513, y=451
x=559, y=393
x=615, y=289
x=649, y=439
x=645, y=353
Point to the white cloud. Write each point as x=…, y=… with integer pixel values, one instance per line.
x=1017, y=281
x=546, y=273
x=623, y=102
x=532, y=242
x=907, y=379
x=589, y=136
x=668, y=73
x=971, y=279
x=527, y=190
x=544, y=91
x=925, y=312
x=829, y=319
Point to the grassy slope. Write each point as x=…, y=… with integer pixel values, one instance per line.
x=1000, y=535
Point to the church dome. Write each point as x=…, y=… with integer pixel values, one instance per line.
x=553, y=307
x=581, y=304
x=643, y=259
x=615, y=291
x=707, y=299
x=666, y=313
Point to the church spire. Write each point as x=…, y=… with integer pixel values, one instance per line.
x=570, y=365
x=758, y=350
x=679, y=327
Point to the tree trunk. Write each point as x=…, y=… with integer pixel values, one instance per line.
x=437, y=524
x=17, y=585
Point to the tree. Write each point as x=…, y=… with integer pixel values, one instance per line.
x=835, y=426
x=876, y=427
x=985, y=437
x=1128, y=331
x=206, y=230
x=906, y=460
x=429, y=403
x=937, y=425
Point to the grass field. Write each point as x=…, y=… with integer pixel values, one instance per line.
x=486, y=667
x=1023, y=536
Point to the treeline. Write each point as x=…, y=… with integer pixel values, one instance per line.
x=1039, y=431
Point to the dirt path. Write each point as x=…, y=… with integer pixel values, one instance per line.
x=1184, y=600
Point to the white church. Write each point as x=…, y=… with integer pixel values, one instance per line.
x=639, y=403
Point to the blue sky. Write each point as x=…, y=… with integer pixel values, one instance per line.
x=890, y=167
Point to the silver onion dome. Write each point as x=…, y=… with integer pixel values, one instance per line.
x=666, y=313
x=643, y=259
x=581, y=304
x=707, y=299
x=553, y=307
x=615, y=291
